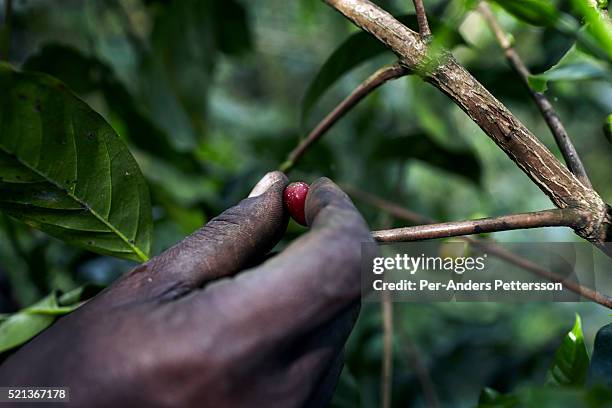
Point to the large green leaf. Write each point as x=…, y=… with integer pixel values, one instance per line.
x=423, y=148
x=65, y=171
x=536, y=12
x=360, y=47
x=571, y=362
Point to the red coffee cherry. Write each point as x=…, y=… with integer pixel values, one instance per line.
x=294, y=198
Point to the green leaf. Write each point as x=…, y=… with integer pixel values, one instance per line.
x=20, y=327
x=421, y=147
x=359, y=48
x=17, y=328
x=535, y=12
x=65, y=171
x=573, y=66
x=571, y=361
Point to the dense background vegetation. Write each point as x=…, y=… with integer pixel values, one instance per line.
x=209, y=96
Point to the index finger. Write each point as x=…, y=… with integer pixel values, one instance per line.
x=226, y=244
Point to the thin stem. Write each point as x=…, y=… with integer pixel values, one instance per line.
x=572, y=159
x=6, y=30
x=394, y=209
x=387, y=365
x=378, y=78
x=547, y=218
x=536, y=269
x=422, y=19
x=386, y=378
x=496, y=250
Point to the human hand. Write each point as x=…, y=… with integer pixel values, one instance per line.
x=205, y=324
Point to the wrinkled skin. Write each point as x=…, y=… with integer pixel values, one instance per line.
x=201, y=326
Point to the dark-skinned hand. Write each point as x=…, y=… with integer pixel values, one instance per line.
x=207, y=324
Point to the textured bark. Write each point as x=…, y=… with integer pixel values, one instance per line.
x=512, y=136
x=572, y=159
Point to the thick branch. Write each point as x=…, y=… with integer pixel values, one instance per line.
x=481, y=245
x=547, y=218
x=374, y=81
x=421, y=15
x=572, y=159
x=445, y=73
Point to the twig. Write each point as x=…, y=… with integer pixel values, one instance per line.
x=6, y=31
x=421, y=15
x=386, y=378
x=387, y=364
x=572, y=159
x=392, y=208
x=492, y=248
x=365, y=88
x=575, y=287
x=548, y=218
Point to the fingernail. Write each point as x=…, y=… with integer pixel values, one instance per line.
x=266, y=182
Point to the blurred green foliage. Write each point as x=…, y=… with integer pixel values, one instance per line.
x=210, y=95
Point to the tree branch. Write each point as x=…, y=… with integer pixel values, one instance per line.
x=547, y=218
x=374, y=81
x=496, y=250
x=572, y=159
x=421, y=15
x=445, y=73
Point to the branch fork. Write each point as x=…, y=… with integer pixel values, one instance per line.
x=563, y=188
